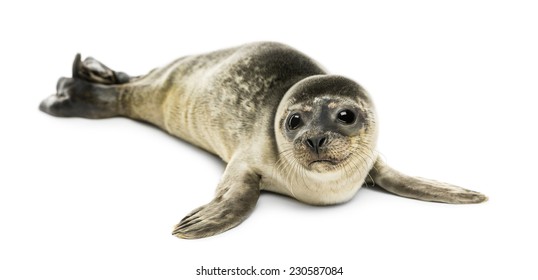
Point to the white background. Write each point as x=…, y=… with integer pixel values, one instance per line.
x=455, y=86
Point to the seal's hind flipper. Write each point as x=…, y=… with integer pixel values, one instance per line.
x=92, y=70
x=80, y=98
x=90, y=93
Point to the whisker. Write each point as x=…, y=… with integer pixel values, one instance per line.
x=280, y=168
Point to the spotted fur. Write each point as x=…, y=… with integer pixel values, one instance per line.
x=234, y=103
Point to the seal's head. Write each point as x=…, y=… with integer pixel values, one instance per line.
x=326, y=124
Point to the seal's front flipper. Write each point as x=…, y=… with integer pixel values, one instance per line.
x=93, y=71
x=420, y=188
x=236, y=197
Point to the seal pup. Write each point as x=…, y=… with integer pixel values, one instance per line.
x=280, y=121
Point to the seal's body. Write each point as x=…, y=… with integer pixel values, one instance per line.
x=274, y=115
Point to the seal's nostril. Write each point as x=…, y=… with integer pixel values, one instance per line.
x=310, y=143
x=321, y=142
x=315, y=143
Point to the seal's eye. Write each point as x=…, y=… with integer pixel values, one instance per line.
x=346, y=116
x=294, y=121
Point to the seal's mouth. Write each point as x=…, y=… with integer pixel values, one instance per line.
x=326, y=161
x=326, y=164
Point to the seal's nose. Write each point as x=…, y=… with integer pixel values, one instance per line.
x=315, y=143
